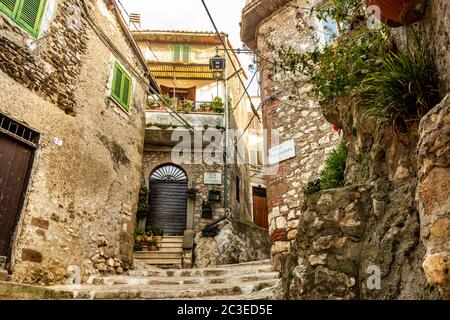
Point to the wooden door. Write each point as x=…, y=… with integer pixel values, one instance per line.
x=15, y=161
x=260, y=211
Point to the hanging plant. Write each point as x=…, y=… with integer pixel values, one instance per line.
x=214, y=195
x=396, y=13
x=207, y=210
x=191, y=192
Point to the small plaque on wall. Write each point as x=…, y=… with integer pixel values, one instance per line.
x=212, y=178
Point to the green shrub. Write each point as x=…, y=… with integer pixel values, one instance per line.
x=332, y=176
x=404, y=88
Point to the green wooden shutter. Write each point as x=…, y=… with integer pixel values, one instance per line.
x=9, y=7
x=126, y=92
x=186, y=53
x=117, y=82
x=176, y=53
x=121, y=87
x=29, y=15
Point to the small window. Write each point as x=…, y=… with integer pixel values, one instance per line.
x=26, y=13
x=181, y=53
x=121, y=87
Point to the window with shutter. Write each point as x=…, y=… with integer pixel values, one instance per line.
x=121, y=88
x=9, y=7
x=186, y=53
x=26, y=13
x=176, y=53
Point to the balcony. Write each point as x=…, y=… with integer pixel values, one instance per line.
x=160, y=124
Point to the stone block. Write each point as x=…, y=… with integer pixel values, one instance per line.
x=41, y=223
x=32, y=255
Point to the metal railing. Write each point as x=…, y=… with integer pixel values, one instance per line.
x=188, y=106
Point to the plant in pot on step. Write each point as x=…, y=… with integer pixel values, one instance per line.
x=138, y=238
x=152, y=245
x=157, y=232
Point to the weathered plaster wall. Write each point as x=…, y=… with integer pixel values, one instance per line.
x=81, y=202
x=153, y=159
x=289, y=108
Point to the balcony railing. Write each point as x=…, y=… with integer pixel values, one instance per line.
x=187, y=106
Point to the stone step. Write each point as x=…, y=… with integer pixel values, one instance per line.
x=171, y=245
x=248, y=263
x=144, y=255
x=157, y=261
x=130, y=280
x=171, y=239
x=163, y=291
x=162, y=249
x=203, y=272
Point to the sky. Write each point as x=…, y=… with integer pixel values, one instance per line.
x=191, y=15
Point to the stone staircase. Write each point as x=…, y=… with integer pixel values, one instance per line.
x=245, y=281
x=170, y=253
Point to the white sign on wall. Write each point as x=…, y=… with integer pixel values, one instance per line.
x=282, y=152
x=212, y=178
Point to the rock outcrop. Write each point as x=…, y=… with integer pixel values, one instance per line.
x=235, y=242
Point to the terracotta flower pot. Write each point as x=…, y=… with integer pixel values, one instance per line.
x=396, y=13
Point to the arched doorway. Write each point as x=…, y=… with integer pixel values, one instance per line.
x=168, y=200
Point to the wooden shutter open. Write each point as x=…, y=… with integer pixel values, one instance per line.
x=117, y=85
x=9, y=7
x=29, y=15
x=176, y=53
x=186, y=53
x=126, y=92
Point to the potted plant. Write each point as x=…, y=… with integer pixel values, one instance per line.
x=206, y=107
x=191, y=192
x=210, y=231
x=138, y=235
x=143, y=207
x=152, y=245
x=157, y=232
x=138, y=246
x=214, y=195
x=217, y=105
x=207, y=210
x=396, y=13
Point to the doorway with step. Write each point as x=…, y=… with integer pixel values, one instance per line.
x=168, y=199
x=18, y=144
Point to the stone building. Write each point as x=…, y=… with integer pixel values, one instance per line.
x=289, y=110
x=73, y=94
x=180, y=62
x=385, y=234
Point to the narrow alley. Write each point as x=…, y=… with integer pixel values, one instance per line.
x=253, y=150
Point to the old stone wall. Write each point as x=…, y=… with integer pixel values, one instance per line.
x=51, y=68
x=433, y=192
x=364, y=241
x=81, y=202
x=293, y=113
x=195, y=172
